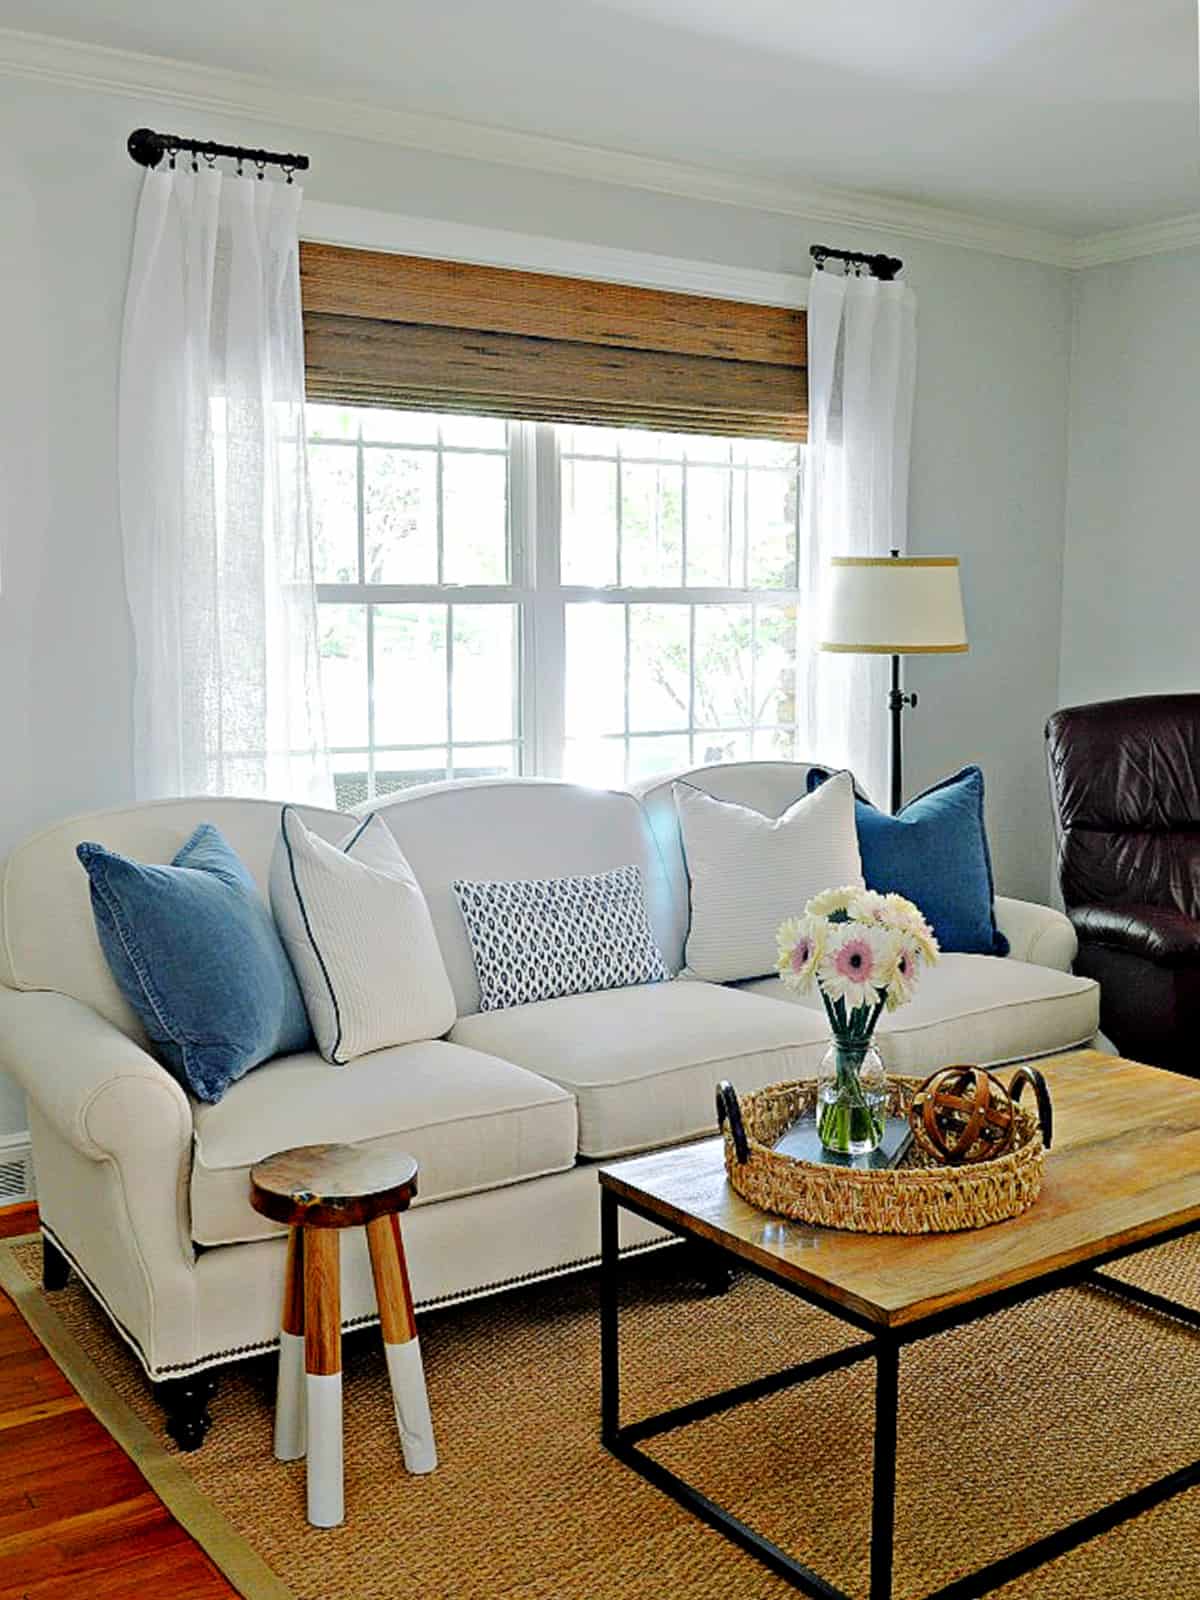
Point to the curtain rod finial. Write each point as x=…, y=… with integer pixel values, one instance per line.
x=145, y=146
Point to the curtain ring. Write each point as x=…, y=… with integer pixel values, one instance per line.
x=172, y=152
x=240, y=172
x=262, y=167
x=210, y=159
x=288, y=171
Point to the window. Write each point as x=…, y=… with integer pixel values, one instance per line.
x=501, y=596
x=419, y=618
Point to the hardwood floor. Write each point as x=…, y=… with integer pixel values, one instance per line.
x=76, y=1516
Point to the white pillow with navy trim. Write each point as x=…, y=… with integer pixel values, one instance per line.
x=357, y=930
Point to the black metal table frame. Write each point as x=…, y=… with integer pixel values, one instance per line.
x=884, y=1346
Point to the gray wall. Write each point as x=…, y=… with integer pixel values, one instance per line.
x=988, y=467
x=1132, y=552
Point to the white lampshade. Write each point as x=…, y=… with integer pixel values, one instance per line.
x=893, y=605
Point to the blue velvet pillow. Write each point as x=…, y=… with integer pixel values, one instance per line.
x=935, y=852
x=194, y=951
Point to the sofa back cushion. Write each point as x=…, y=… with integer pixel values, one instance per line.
x=766, y=786
x=1126, y=782
x=47, y=936
x=522, y=828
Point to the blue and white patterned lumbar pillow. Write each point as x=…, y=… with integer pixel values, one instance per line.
x=539, y=938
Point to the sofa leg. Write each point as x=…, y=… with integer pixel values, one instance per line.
x=185, y=1401
x=56, y=1269
x=709, y=1266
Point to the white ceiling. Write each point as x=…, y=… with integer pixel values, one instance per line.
x=1075, y=115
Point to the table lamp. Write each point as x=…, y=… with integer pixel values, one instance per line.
x=894, y=606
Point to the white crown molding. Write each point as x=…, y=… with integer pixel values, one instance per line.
x=188, y=86
x=1126, y=244
x=529, y=252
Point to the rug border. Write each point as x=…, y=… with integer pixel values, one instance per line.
x=192, y=1509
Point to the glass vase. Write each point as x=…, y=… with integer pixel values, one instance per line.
x=851, y=1097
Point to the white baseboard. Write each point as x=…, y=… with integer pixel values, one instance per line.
x=16, y=1169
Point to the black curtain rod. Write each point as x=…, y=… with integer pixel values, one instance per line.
x=148, y=148
x=882, y=267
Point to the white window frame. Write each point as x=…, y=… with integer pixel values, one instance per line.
x=534, y=477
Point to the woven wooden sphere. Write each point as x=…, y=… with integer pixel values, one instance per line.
x=963, y=1114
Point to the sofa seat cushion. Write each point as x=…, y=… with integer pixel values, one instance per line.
x=981, y=1009
x=643, y=1063
x=472, y=1122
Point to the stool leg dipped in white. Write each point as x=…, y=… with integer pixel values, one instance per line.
x=323, y=1377
x=289, y=1392
x=401, y=1344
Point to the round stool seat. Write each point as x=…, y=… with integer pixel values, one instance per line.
x=332, y=1185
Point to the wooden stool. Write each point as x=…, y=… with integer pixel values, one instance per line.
x=318, y=1190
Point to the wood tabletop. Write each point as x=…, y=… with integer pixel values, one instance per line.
x=1125, y=1166
x=332, y=1185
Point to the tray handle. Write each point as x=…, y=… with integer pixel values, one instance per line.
x=727, y=1107
x=1027, y=1074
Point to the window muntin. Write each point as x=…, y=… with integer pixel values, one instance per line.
x=649, y=510
x=403, y=497
x=655, y=686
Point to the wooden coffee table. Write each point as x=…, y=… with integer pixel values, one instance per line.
x=1123, y=1176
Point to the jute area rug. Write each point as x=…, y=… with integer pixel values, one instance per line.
x=1008, y=1429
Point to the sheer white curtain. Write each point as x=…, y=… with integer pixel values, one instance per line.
x=862, y=354
x=214, y=494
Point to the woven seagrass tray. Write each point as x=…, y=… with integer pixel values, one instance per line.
x=918, y=1196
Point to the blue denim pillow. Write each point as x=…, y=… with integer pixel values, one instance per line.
x=934, y=851
x=194, y=951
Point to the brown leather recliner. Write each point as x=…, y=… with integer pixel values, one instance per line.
x=1126, y=781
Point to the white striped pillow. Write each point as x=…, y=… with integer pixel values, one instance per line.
x=357, y=930
x=747, y=872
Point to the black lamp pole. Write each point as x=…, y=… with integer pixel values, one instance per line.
x=897, y=701
x=896, y=704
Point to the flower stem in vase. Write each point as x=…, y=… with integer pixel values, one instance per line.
x=851, y=1097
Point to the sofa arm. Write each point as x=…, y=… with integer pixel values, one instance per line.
x=99, y=1090
x=1037, y=934
x=101, y=1094
x=1165, y=938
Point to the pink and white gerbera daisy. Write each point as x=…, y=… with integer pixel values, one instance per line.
x=904, y=918
x=801, y=946
x=858, y=964
x=868, y=906
x=906, y=967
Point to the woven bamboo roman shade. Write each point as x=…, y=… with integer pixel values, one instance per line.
x=392, y=330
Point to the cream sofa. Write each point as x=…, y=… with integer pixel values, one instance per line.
x=144, y=1191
